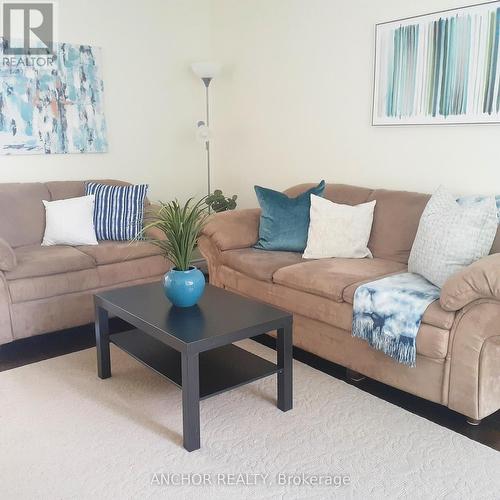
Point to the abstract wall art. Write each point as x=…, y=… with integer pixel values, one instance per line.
x=441, y=68
x=52, y=104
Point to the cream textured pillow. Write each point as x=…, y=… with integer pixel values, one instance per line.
x=452, y=236
x=70, y=222
x=339, y=230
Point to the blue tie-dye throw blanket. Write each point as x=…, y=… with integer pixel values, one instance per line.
x=388, y=313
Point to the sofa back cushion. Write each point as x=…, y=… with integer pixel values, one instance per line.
x=396, y=218
x=338, y=193
x=395, y=224
x=63, y=190
x=496, y=243
x=23, y=214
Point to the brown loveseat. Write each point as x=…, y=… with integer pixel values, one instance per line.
x=458, y=345
x=43, y=289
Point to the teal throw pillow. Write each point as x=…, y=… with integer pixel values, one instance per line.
x=284, y=222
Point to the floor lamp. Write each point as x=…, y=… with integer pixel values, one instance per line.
x=206, y=71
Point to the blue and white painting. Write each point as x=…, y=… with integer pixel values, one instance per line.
x=442, y=68
x=52, y=104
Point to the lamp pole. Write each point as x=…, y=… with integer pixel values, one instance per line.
x=206, y=71
x=207, y=81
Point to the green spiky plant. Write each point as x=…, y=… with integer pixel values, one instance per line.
x=182, y=226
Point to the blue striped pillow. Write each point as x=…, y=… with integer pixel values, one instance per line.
x=119, y=210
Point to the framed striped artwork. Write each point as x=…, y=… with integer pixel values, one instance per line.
x=440, y=68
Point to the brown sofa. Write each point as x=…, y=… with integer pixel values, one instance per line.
x=43, y=289
x=458, y=345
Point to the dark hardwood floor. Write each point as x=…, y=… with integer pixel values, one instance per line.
x=43, y=347
x=34, y=349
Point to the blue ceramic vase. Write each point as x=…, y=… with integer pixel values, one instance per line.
x=184, y=288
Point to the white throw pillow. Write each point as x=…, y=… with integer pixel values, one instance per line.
x=339, y=230
x=70, y=222
x=451, y=236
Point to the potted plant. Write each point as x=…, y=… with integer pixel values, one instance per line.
x=218, y=202
x=181, y=226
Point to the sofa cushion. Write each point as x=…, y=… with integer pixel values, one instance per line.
x=452, y=235
x=35, y=260
x=259, y=264
x=69, y=222
x=119, y=210
x=111, y=252
x=496, y=244
x=284, y=221
x=44, y=287
x=395, y=209
x=62, y=190
x=431, y=341
x=328, y=278
x=435, y=315
x=23, y=215
x=338, y=193
x=338, y=230
x=121, y=272
x=395, y=223
x=65, y=311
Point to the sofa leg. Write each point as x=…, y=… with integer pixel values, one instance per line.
x=354, y=376
x=473, y=421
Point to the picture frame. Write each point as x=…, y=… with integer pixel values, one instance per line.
x=441, y=68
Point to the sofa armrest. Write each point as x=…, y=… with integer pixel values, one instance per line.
x=5, y=305
x=480, y=280
x=233, y=230
x=474, y=350
x=8, y=259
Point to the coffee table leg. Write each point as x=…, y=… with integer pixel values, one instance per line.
x=285, y=362
x=102, y=342
x=191, y=401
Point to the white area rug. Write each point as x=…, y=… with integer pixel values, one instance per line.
x=66, y=434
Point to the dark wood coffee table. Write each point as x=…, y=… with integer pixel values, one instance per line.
x=193, y=347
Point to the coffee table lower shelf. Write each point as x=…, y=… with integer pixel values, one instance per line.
x=221, y=369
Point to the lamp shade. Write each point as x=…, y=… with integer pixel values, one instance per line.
x=205, y=69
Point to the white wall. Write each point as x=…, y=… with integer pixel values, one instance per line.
x=294, y=103
x=152, y=100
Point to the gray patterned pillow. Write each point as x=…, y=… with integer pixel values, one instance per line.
x=452, y=236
